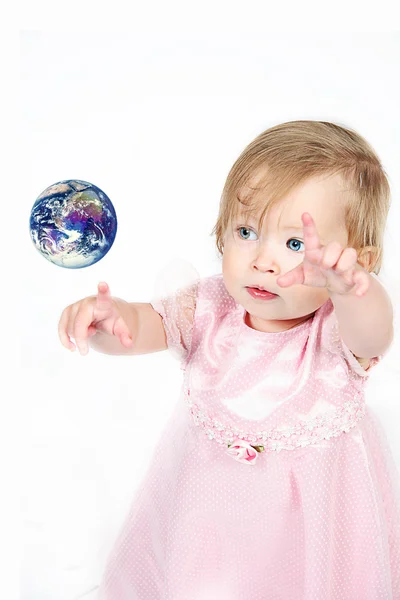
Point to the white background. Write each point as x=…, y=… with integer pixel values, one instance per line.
x=156, y=120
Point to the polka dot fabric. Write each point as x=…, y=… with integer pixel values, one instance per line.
x=272, y=479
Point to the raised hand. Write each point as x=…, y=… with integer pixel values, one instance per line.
x=328, y=266
x=86, y=317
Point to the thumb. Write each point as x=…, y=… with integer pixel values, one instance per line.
x=292, y=277
x=121, y=330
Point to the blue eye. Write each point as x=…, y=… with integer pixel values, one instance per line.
x=296, y=241
x=246, y=229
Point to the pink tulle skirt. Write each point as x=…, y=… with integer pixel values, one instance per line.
x=316, y=523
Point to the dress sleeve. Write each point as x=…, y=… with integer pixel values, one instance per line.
x=354, y=363
x=177, y=311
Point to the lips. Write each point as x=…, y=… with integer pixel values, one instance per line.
x=258, y=287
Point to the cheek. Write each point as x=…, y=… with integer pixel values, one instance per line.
x=229, y=271
x=226, y=269
x=230, y=258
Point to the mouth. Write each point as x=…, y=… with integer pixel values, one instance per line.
x=258, y=287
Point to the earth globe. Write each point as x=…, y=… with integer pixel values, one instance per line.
x=73, y=224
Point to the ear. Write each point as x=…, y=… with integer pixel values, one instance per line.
x=367, y=257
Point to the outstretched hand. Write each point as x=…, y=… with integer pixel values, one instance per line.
x=84, y=318
x=328, y=266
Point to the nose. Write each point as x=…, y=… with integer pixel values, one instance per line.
x=265, y=260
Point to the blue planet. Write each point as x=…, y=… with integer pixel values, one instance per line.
x=73, y=224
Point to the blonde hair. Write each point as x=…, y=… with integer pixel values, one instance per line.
x=290, y=153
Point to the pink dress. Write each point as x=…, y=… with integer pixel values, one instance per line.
x=272, y=480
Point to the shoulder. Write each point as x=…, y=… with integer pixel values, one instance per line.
x=214, y=295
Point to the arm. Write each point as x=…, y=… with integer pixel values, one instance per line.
x=365, y=322
x=145, y=325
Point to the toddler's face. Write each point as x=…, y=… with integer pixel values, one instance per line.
x=254, y=258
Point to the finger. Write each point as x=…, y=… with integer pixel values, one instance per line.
x=103, y=299
x=347, y=260
x=122, y=332
x=292, y=277
x=311, y=237
x=92, y=331
x=62, y=330
x=331, y=255
x=363, y=282
x=82, y=323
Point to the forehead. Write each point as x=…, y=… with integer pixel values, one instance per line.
x=323, y=197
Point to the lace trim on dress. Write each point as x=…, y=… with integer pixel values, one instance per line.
x=304, y=433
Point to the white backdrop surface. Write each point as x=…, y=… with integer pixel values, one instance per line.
x=156, y=121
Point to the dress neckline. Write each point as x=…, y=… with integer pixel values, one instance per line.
x=272, y=334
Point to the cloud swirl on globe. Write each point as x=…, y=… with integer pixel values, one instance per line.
x=73, y=224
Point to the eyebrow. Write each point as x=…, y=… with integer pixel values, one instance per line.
x=293, y=227
x=286, y=228
x=251, y=218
